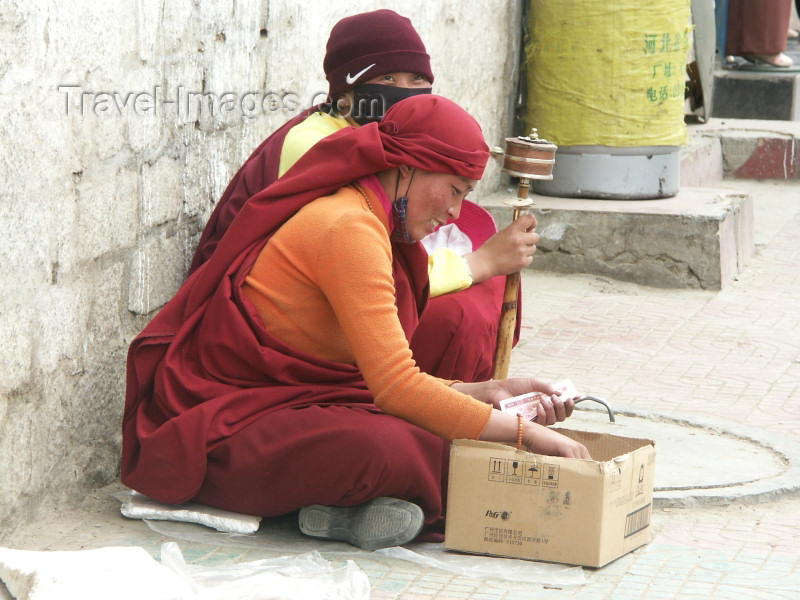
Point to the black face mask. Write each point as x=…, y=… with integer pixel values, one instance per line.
x=372, y=100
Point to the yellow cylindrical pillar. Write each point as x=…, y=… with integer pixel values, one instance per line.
x=606, y=81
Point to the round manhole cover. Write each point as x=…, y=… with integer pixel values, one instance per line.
x=697, y=460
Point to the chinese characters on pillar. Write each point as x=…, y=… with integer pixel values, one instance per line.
x=668, y=53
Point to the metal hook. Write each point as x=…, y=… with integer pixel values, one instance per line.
x=601, y=401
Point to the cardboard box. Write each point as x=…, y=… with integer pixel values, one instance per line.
x=507, y=502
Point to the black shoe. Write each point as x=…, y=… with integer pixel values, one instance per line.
x=379, y=523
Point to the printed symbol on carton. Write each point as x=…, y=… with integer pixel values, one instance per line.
x=497, y=469
x=550, y=478
x=533, y=476
x=515, y=471
x=616, y=479
x=640, y=483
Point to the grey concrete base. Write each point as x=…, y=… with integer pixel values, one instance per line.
x=613, y=173
x=740, y=149
x=700, y=238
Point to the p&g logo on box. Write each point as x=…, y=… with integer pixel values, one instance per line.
x=505, y=515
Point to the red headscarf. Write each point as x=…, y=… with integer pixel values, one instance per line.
x=205, y=367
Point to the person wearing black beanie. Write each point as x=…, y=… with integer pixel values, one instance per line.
x=374, y=60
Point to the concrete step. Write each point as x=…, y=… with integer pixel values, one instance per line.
x=700, y=238
x=748, y=149
x=757, y=95
x=701, y=161
x=746, y=91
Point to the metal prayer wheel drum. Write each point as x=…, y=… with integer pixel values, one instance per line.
x=529, y=157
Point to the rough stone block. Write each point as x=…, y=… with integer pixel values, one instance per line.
x=103, y=322
x=60, y=338
x=108, y=198
x=16, y=351
x=157, y=272
x=700, y=238
x=162, y=191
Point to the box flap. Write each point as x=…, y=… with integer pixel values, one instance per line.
x=479, y=444
x=605, y=446
x=602, y=446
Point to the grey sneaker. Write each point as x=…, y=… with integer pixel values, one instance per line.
x=379, y=523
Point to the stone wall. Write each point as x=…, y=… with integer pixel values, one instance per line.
x=112, y=158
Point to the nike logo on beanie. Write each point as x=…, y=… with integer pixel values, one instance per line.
x=351, y=80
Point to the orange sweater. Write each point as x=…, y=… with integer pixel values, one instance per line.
x=323, y=284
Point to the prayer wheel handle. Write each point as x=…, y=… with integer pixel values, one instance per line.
x=525, y=157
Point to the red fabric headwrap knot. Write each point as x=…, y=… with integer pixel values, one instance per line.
x=434, y=134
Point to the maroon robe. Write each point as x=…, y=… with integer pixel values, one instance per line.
x=757, y=26
x=456, y=336
x=220, y=411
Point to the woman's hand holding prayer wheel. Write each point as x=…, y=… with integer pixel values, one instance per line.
x=507, y=251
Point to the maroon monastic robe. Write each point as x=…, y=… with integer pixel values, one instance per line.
x=757, y=26
x=456, y=336
x=220, y=411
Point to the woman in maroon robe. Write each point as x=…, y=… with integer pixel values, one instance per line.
x=457, y=334
x=220, y=411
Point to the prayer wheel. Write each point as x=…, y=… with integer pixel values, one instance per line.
x=529, y=157
x=526, y=157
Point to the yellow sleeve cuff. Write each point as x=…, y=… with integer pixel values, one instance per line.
x=447, y=272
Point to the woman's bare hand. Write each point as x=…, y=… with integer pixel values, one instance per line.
x=542, y=440
x=507, y=251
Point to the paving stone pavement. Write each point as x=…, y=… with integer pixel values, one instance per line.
x=732, y=356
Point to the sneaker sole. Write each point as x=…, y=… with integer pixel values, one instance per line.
x=379, y=523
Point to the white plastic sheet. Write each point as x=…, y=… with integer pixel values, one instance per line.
x=481, y=567
x=130, y=573
x=300, y=577
x=283, y=536
x=121, y=573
